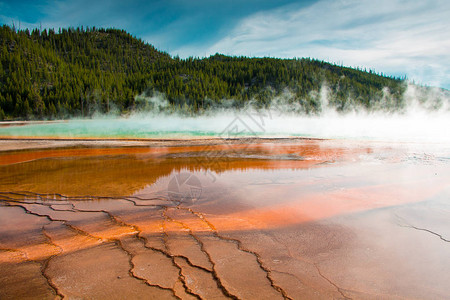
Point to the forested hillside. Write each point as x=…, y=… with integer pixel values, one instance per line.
x=76, y=72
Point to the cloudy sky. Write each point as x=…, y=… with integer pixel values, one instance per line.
x=396, y=37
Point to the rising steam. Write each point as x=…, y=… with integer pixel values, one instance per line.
x=423, y=115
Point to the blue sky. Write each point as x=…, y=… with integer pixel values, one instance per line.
x=396, y=37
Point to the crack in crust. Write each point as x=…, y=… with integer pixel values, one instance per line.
x=23, y=198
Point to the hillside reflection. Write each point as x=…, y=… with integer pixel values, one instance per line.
x=123, y=171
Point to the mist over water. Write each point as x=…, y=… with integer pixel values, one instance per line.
x=424, y=117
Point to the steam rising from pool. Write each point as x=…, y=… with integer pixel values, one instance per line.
x=414, y=123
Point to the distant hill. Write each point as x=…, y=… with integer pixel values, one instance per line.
x=76, y=72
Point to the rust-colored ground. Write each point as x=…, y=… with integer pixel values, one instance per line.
x=272, y=219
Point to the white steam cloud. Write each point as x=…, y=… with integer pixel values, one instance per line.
x=424, y=117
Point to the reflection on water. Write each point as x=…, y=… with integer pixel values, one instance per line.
x=124, y=171
x=308, y=219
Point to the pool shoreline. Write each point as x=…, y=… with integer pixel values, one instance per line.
x=29, y=143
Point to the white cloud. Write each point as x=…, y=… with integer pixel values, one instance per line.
x=391, y=36
x=396, y=37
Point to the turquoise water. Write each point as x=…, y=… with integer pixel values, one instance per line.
x=415, y=128
x=121, y=128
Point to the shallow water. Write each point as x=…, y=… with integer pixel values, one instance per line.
x=412, y=126
x=300, y=219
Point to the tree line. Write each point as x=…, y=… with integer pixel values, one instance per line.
x=80, y=71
